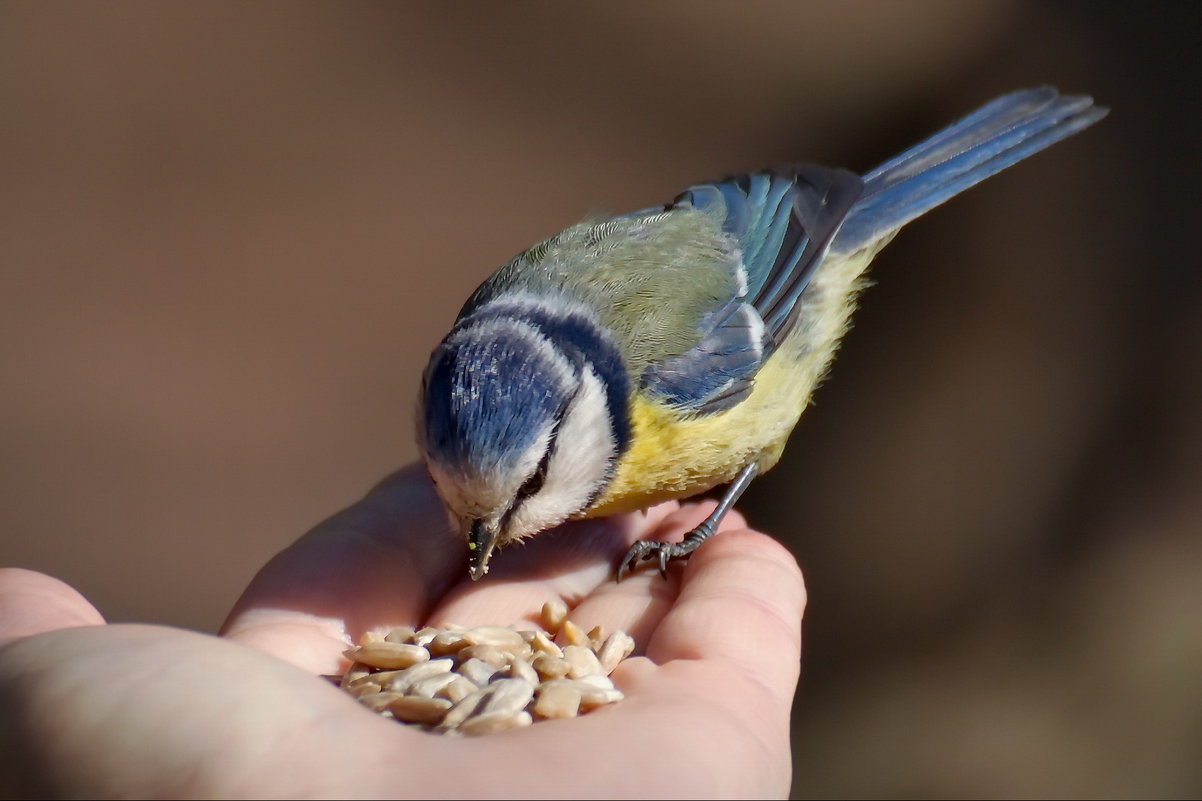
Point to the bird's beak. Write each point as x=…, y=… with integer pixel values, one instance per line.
x=481, y=540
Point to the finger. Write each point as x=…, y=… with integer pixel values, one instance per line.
x=639, y=602
x=33, y=603
x=569, y=563
x=741, y=602
x=376, y=565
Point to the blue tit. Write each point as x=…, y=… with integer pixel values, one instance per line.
x=661, y=353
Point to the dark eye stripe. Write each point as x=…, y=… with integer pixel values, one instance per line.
x=537, y=478
x=534, y=484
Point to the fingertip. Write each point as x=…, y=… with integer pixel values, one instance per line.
x=34, y=603
x=742, y=553
x=380, y=562
x=741, y=601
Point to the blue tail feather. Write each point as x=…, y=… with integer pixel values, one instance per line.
x=982, y=144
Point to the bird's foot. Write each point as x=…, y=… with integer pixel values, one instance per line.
x=664, y=552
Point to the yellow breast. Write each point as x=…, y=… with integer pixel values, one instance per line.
x=671, y=456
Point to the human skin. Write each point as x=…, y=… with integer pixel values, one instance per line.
x=99, y=710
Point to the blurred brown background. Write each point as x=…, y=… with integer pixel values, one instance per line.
x=231, y=233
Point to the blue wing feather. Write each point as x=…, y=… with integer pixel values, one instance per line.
x=717, y=372
x=783, y=222
x=786, y=221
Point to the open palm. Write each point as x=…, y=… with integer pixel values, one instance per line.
x=151, y=711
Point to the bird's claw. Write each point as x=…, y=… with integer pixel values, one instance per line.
x=663, y=552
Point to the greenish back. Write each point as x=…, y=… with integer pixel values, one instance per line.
x=651, y=279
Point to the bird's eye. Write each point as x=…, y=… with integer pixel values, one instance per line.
x=537, y=478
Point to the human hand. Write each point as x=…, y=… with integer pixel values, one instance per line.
x=151, y=711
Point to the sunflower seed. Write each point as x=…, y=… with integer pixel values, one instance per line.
x=501, y=637
x=401, y=634
x=390, y=655
x=429, y=686
x=458, y=689
x=558, y=701
x=378, y=702
x=491, y=654
x=554, y=613
x=616, y=647
x=447, y=642
x=598, y=681
x=521, y=669
x=541, y=643
x=581, y=661
x=571, y=634
x=361, y=690
x=590, y=696
x=494, y=722
x=401, y=681
x=551, y=667
x=477, y=671
x=354, y=673
x=465, y=708
x=423, y=636
x=414, y=709
x=508, y=695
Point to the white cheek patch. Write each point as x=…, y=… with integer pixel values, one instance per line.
x=470, y=497
x=580, y=465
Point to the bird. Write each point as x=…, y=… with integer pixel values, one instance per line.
x=658, y=354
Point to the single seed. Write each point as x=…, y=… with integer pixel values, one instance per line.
x=356, y=671
x=616, y=647
x=429, y=686
x=465, y=708
x=477, y=671
x=401, y=634
x=590, y=696
x=378, y=702
x=541, y=643
x=379, y=678
x=521, y=669
x=571, y=634
x=554, y=613
x=597, y=680
x=581, y=661
x=423, y=636
x=400, y=681
x=361, y=690
x=558, y=701
x=593, y=697
x=458, y=689
x=509, y=696
x=551, y=667
x=390, y=654
x=412, y=709
x=491, y=654
x=447, y=642
x=501, y=637
x=494, y=722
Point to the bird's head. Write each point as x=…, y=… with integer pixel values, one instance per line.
x=516, y=427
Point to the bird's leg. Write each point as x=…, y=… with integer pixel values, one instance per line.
x=667, y=551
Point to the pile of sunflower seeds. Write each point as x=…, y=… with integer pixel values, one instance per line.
x=487, y=679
